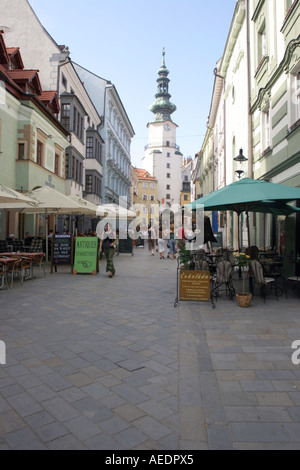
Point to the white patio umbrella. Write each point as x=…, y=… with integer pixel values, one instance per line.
x=11, y=197
x=49, y=201
x=113, y=210
x=88, y=207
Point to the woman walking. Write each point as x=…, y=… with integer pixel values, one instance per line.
x=161, y=244
x=151, y=240
x=172, y=242
x=108, y=242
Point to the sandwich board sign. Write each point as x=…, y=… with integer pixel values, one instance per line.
x=86, y=256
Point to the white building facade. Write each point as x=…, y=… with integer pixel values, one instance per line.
x=116, y=132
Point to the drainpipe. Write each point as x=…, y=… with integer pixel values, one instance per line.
x=224, y=119
x=250, y=124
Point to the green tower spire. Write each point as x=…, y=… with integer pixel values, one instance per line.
x=162, y=107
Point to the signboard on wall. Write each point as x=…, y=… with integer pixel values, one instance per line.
x=194, y=285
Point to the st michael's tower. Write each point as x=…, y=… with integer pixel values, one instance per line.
x=163, y=159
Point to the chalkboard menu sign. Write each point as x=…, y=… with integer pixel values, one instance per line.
x=62, y=251
x=125, y=245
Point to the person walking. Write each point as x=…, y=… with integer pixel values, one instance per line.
x=108, y=242
x=172, y=242
x=161, y=244
x=151, y=240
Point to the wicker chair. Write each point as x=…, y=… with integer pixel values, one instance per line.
x=39, y=261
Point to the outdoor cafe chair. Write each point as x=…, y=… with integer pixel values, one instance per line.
x=4, y=247
x=36, y=245
x=295, y=282
x=3, y=277
x=38, y=260
x=260, y=280
x=18, y=245
x=13, y=268
x=222, y=280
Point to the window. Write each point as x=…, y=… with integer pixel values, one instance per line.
x=296, y=97
x=39, y=157
x=152, y=197
x=145, y=185
x=168, y=155
x=168, y=175
x=57, y=162
x=185, y=197
x=67, y=166
x=65, y=115
x=145, y=197
x=186, y=178
x=168, y=186
x=168, y=165
x=265, y=129
x=152, y=186
x=64, y=81
x=168, y=143
x=89, y=184
x=21, y=151
x=168, y=196
x=262, y=42
x=89, y=147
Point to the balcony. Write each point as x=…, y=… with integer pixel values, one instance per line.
x=162, y=144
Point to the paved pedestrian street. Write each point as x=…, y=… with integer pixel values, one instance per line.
x=99, y=363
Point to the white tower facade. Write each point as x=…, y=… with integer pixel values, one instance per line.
x=163, y=158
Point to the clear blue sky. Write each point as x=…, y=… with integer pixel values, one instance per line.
x=122, y=41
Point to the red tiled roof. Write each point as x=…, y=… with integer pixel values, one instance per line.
x=144, y=174
x=12, y=50
x=47, y=95
x=18, y=74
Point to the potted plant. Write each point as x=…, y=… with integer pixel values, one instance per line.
x=185, y=257
x=242, y=261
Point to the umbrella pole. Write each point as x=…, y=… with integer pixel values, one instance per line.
x=249, y=253
x=46, y=235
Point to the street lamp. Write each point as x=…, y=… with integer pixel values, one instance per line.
x=240, y=159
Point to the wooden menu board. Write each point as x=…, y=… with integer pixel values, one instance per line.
x=194, y=285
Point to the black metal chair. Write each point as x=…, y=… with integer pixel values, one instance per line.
x=4, y=247
x=222, y=280
x=260, y=280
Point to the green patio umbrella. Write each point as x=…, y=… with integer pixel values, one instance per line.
x=249, y=195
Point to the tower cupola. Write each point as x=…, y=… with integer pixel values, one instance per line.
x=162, y=107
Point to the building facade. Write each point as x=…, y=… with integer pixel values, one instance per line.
x=146, y=203
x=275, y=108
x=83, y=166
x=116, y=132
x=32, y=140
x=255, y=112
x=163, y=158
x=186, y=174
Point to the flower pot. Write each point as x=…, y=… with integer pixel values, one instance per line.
x=244, y=300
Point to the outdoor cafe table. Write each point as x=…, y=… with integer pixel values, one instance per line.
x=28, y=256
x=5, y=262
x=213, y=260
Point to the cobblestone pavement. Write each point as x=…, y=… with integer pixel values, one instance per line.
x=99, y=363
